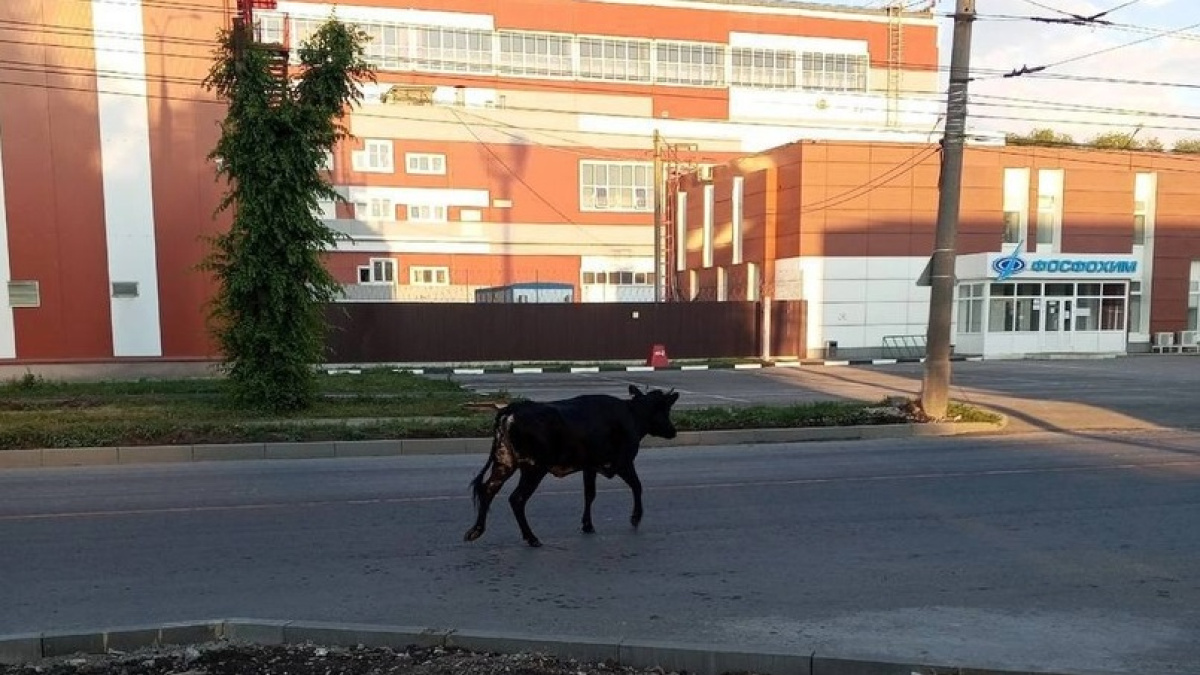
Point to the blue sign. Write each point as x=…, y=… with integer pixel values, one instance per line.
x=1013, y=264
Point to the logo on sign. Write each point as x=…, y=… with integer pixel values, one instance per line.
x=1008, y=265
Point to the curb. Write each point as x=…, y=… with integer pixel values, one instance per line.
x=609, y=368
x=175, y=454
x=670, y=656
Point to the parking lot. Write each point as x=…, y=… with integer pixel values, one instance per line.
x=1132, y=392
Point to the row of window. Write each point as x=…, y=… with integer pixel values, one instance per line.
x=383, y=271
x=377, y=157
x=382, y=208
x=1048, y=227
x=1050, y=307
x=395, y=46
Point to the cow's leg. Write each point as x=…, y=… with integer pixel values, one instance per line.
x=485, y=492
x=629, y=475
x=589, y=496
x=531, y=476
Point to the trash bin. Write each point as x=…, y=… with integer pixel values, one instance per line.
x=831, y=349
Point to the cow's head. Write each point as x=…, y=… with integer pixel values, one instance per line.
x=653, y=410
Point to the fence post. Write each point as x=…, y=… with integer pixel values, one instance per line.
x=765, y=347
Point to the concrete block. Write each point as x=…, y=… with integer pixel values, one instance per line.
x=131, y=638
x=154, y=454
x=580, y=649
x=254, y=631
x=78, y=456
x=318, y=450
x=228, y=451
x=66, y=644
x=349, y=635
x=383, y=448
x=20, y=459
x=190, y=633
x=20, y=648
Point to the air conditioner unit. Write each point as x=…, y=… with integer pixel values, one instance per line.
x=1164, y=339
x=704, y=173
x=1188, y=339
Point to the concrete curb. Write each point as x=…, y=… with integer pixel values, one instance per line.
x=174, y=454
x=696, y=659
x=611, y=367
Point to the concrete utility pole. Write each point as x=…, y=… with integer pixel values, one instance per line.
x=659, y=194
x=936, y=383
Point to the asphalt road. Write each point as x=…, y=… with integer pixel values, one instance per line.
x=1071, y=552
x=1134, y=392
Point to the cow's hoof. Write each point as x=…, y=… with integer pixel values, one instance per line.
x=533, y=542
x=473, y=534
x=635, y=519
x=588, y=529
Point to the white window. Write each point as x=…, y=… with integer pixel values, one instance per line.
x=429, y=276
x=327, y=164
x=736, y=217
x=1016, y=205
x=375, y=157
x=452, y=50
x=681, y=233
x=970, y=308
x=1050, y=208
x=689, y=63
x=377, y=271
x=834, y=72
x=375, y=208
x=389, y=45
x=763, y=68
x=615, y=186
x=427, y=163
x=614, y=59
x=1193, y=312
x=1144, y=188
x=536, y=54
x=326, y=209
x=426, y=213
x=752, y=282
x=709, y=190
x=1137, y=322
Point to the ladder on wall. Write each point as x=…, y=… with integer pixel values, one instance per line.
x=895, y=12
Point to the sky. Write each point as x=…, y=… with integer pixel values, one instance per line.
x=1005, y=44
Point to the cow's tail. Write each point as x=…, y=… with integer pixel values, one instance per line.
x=477, y=482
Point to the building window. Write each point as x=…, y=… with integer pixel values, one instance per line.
x=536, y=54
x=614, y=59
x=970, y=308
x=327, y=162
x=1136, y=322
x=375, y=208
x=834, y=72
x=429, y=276
x=1015, y=308
x=425, y=163
x=375, y=157
x=752, y=282
x=1143, y=206
x=1016, y=205
x=615, y=186
x=1193, y=313
x=1050, y=208
x=426, y=213
x=326, y=209
x=377, y=271
x=388, y=47
x=452, y=50
x=763, y=68
x=690, y=63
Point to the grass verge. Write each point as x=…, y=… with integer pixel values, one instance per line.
x=376, y=404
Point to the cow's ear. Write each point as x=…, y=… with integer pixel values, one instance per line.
x=634, y=391
x=672, y=397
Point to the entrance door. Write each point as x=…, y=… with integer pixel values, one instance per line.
x=1057, y=331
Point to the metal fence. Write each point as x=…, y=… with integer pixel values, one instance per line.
x=455, y=332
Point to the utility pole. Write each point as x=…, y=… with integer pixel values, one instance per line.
x=659, y=192
x=936, y=383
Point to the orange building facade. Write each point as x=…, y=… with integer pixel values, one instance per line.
x=1058, y=250
x=506, y=141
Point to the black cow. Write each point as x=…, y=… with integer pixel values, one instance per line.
x=594, y=433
